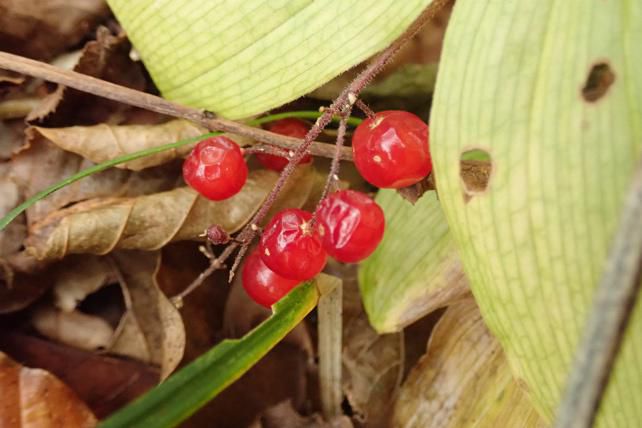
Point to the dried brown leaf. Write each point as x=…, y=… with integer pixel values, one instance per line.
x=147, y=222
x=12, y=236
x=11, y=138
x=106, y=58
x=72, y=328
x=27, y=171
x=103, y=142
x=152, y=329
x=43, y=29
x=34, y=398
x=463, y=379
x=78, y=276
x=105, y=383
x=372, y=363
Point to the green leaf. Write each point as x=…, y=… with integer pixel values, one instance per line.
x=195, y=384
x=406, y=277
x=239, y=58
x=515, y=81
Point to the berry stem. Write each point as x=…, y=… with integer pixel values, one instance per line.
x=364, y=108
x=333, y=175
x=351, y=92
x=266, y=149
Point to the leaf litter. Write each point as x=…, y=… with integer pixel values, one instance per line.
x=91, y=306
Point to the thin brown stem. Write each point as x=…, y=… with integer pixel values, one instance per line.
x=365, y=109
x=102, y=88
x=266, y=149
x=333, y=175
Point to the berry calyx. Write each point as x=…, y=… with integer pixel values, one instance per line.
x=292, y=128
x=351, y=225
x=262, y=284
x=216, y=168
x=390, y=150
x=291, y=247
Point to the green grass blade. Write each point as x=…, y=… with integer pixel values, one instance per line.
x=11, y=215
x=195, y=384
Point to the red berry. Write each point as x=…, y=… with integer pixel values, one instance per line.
x=292, y=128
x=351, y=225
x=290, y=247
x=391, y=149
x=215, y=168
x=261, y=283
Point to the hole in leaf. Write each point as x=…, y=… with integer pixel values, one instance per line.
x=599, y=80
x=475, y=168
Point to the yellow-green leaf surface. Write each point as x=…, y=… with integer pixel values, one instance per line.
x=415, y=269
x=238, y=58
x=514, y=81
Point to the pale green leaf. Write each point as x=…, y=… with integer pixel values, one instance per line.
x=534, y=243
x=238, y=58
x=408, y=277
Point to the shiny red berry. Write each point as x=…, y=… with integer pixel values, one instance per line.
x=351, y=225
x=292, y=128
x=262, y=284
x=391, y=149
x=215, y=168
x=291, y=247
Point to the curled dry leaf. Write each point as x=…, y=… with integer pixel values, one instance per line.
x=463, y=379
x=42, y=30
x=103, y=382
x=106, y=58
x=34, y=398
x=102, y=142
x=372, y=363
x=27, y=166
x=12, y=236
x=415, y=269
x=72, y=328
x=147, y=222
x=152, y=329
x=11, y=138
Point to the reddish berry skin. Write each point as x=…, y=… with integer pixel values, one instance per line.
x=290, y=247
x=215, y=168
x=262, y=284
x=391, y=149
x=292, y=128
x=351, y=225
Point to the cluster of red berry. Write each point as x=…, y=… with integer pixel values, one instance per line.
x=390, y=151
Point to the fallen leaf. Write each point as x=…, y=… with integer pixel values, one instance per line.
x=103, y=142
x=34, y=398
x=73, y=328
x=103, y=382
x=11, y=138
x=463, y=379
x=42, y=30
x=372, y=362
x=147, y=222
x=26, y=172
x=106, y=58
x=152, y=329
x=12, y=236
x=18, y=290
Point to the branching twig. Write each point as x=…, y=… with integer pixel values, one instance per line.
x=132, y=97
x=614, y=302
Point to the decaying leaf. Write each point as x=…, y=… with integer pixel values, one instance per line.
x=27, y=166
x=372, y=362
x=415, y=269
x=42, y=30
x=103, y=382
x=463, y=379
x=103, y=142
x=11, y=138
x=34, y=398
x=147, y=222
x=106, y=58
x=12, y=236
x=151, y=330
x=73, y=328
